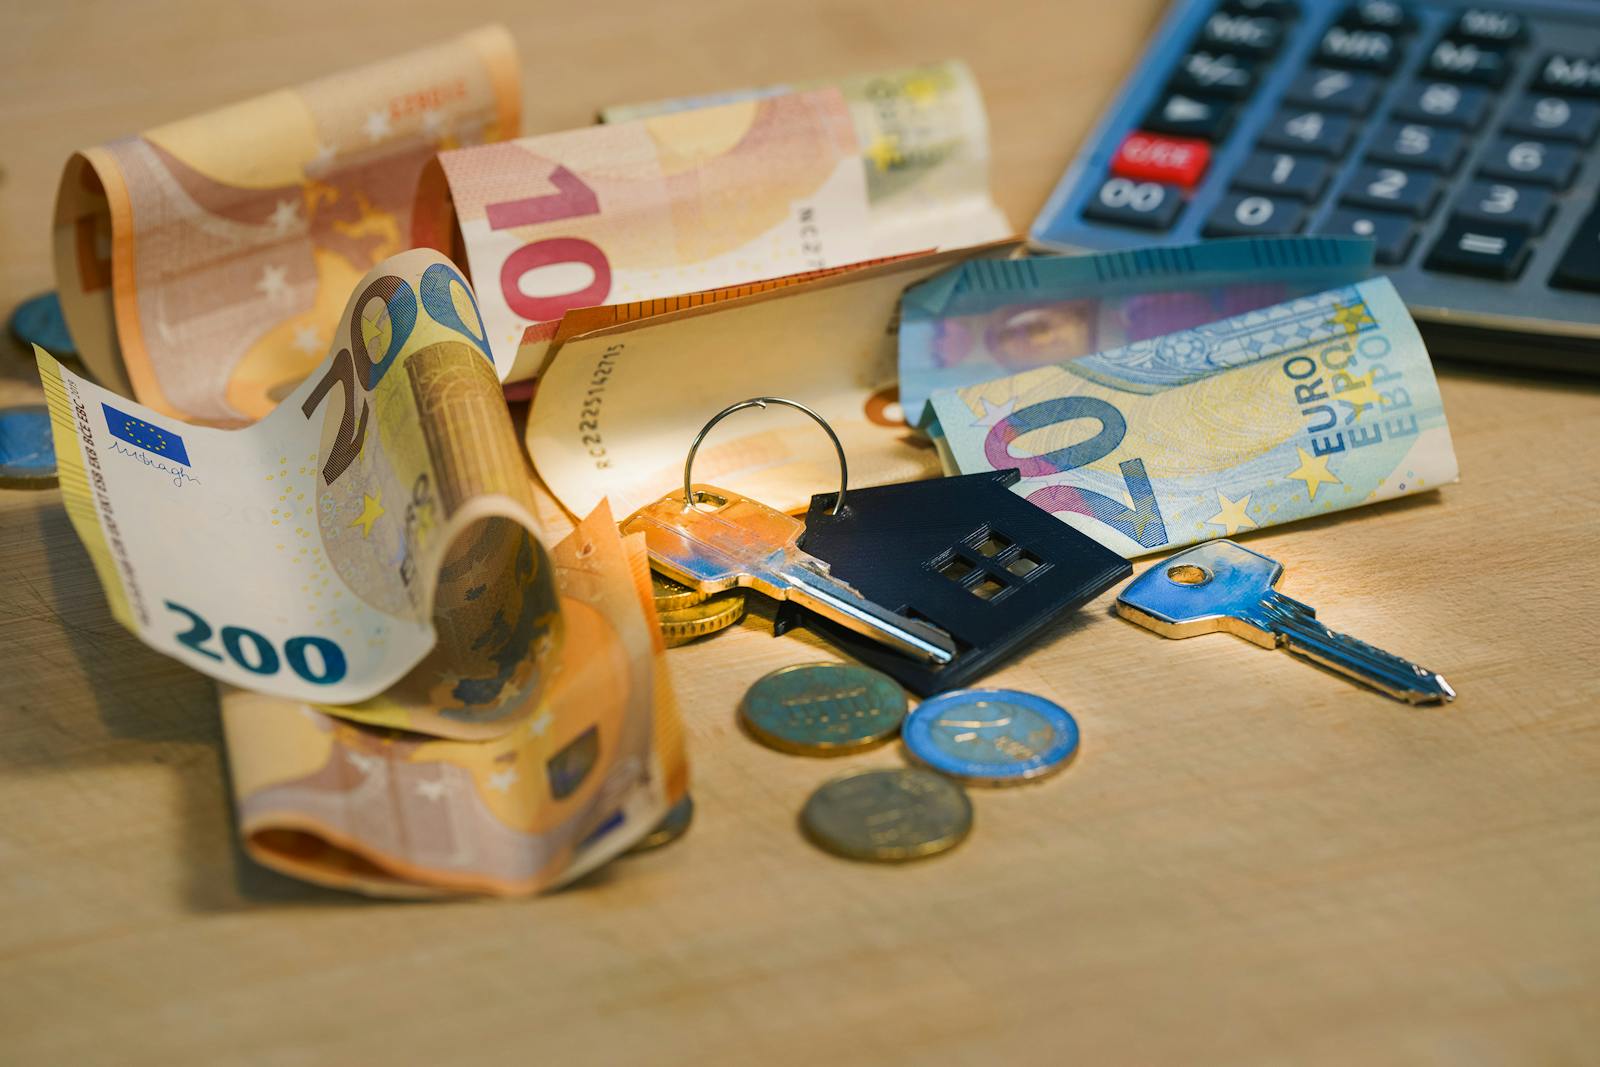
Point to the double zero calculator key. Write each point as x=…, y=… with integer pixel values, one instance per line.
x=1554, y=118
x=1391, y=235
x=1415, y=145
x=1328, y=89
x=1250, y=215
x=1317, y=132
x=1407, y=192
x=1444, y=104
x=1282, y=174
x=1466, y=61
x=1143, y=205
x=1530, y=161
x=1484, y=249
x=1498, y=204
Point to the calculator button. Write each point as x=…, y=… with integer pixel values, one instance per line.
x=1282, y=174
x=1249, y=215
x=1416, y=145
x=1554, y=118
x=1466, y=61
x=1480, y=248
x=1125, y=202
x=1191, y=116
x=1488, y=26
x=1392, y=235
x=1276, y=9
x=1173, y=160
x=1524, y=207
x=1569, y=75
x=1530, y=161
x=1217, y=73
x=1372, y=50
x=1580, y=263
x=1333, y=90
x=1251, y=35
x=1444, y=104
x=1379, y=15
x=1410, y=192
x=1308, y=131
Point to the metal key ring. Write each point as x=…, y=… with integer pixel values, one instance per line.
x=762, y=402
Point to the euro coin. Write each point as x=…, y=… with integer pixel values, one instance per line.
x=990, y=736
x=673, y=825
x=673, y=596
x=38, y=321
x=823, y=709
x=707, y=617
x=888, y=816
x=27, y=452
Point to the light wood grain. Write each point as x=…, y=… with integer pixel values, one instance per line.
x=1250, y=861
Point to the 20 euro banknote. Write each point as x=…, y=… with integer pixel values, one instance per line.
x=1310, y=406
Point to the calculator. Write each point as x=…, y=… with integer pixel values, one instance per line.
x=1460, y=138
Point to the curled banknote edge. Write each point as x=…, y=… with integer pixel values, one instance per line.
x=619, y=405
x=1309, y=406
x=923, y=137
x=370, y=546
x=202, y=264
x=596, y=765
x=692, y=200
x=987, y=319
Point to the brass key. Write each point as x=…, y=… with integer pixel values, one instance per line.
x=725, y=540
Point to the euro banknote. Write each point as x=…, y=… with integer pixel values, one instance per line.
x=1309, y=406
x=377, y=811
x=370, y=545
x=924, y=143
x=618, y=406
x=202, y=265
x=988, y=318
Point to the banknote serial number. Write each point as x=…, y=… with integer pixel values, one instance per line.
x=589, y=434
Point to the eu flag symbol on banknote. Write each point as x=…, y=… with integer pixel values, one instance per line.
x=141, y=434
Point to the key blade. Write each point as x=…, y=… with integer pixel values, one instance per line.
x=1305, y=636
x=810, y=586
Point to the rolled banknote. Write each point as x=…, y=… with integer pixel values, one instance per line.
x=595, y=766
x=1309, y=406
x=202, y=265
x=924, y=141
x=986, y=319
x=369, y=545
x=619, y=405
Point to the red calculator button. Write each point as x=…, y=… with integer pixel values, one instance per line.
x=1173, y=160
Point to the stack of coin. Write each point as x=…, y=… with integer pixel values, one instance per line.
x=687, y=613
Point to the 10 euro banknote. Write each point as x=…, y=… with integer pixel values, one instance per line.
x=1309, y=406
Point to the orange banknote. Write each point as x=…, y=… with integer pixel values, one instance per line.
x=203, y=265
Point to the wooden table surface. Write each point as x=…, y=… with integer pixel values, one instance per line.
x=1250, y=861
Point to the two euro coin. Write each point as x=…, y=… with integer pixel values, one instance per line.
x=991, y=736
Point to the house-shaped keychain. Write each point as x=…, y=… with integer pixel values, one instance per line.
x=965, y=554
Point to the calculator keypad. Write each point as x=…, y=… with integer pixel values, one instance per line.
x=1462, y=139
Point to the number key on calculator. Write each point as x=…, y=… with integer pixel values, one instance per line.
x=1462, y=138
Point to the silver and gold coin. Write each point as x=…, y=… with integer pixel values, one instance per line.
x=673, y=825
x=707, y=617
x=674, y=596
x=888, y=816
x=823, y=709
x=991, y=736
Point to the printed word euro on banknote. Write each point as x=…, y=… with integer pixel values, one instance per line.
x=1309, y=406
x=203, y=264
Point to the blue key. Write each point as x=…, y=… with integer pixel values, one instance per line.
x=1223, y=586
x=1317, y=132
x=1523, y=206
x=1217, y=73
x=1328, y=89
x=1554, y=118
x=1248, y=215
x=1568, y=75
x=1444, y=104
x=1282, y=174
x=1484, y=249
x=1468, y=62
x=1412, y=144
x=1530, y=161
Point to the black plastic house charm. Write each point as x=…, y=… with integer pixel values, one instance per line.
x=965, y=554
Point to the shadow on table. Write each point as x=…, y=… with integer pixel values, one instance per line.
x=149, y=709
